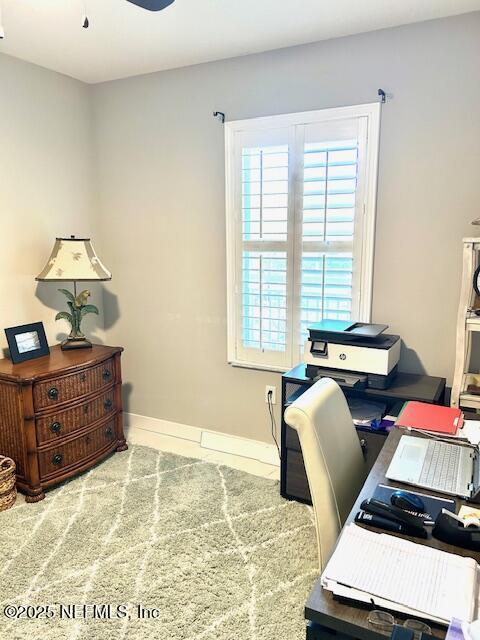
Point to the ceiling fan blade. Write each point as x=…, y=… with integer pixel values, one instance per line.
x=152, y=5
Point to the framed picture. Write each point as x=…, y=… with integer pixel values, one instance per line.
x=26, y=342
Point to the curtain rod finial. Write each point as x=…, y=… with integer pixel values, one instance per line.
x=383, y=96
x=220, y=116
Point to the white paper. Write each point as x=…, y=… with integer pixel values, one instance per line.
x=438, y=584
x=471, y=431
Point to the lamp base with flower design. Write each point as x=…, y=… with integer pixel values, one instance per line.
x=78, y=309
x=75, y=259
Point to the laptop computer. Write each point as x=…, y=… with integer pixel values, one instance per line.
x=433, y=464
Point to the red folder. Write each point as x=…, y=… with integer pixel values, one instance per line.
x=430, y=417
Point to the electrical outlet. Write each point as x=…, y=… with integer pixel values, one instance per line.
x=273, y=389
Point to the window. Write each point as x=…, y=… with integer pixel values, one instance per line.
x=300, y=228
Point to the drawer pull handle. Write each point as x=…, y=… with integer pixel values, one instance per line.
x=57, y=458
x=109, y=432
x=83, y=377
x=53, y=393
x=106, y=374
x=108, y=404
x=56, y=427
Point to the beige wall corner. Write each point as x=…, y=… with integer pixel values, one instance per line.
x=46, y=190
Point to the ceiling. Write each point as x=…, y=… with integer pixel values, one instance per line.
x=124, y=40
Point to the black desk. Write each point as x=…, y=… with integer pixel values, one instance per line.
x=333, y=617
x=406, y=386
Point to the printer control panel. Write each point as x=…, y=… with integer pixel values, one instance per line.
x=319, y=348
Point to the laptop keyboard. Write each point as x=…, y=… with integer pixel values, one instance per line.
x=440, y=467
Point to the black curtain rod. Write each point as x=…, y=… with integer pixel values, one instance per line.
x=221, y=116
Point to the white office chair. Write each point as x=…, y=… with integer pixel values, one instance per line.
x=333, y=457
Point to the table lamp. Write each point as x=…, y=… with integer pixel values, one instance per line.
x=74, y=259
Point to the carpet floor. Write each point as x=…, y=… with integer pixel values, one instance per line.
x=210, y=552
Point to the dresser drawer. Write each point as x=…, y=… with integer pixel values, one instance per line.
x=61, y=423
x=57, y=390
x=56, y=459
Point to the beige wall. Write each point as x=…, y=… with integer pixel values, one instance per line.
x=160, y=163
x=46, y=188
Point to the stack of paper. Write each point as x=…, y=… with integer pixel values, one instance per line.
x=397, y=574
x=471, y=431
x=366, y=413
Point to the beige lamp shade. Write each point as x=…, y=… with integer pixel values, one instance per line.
x=74, y=259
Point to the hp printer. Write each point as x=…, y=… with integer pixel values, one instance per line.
x=355, y=354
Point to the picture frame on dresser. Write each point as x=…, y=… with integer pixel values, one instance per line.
x=27, y=341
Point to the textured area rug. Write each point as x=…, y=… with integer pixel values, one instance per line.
x=205, y=551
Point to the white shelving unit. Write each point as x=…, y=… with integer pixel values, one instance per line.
x=467, y=323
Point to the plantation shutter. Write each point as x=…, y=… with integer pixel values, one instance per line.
x=330, y=208
x=263, y=285
x=296, y=205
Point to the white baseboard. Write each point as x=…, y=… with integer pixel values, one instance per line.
x=211, y=440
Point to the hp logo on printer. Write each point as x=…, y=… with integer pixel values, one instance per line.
x=343, y=356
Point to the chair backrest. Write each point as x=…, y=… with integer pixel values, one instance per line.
x=333, y=457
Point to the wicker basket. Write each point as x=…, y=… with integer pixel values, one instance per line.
x=8, y=489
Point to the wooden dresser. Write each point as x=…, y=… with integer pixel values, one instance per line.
x=60, y=414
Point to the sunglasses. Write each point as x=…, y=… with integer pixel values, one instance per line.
x=384, y=621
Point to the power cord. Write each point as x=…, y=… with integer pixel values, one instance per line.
x=273, y=423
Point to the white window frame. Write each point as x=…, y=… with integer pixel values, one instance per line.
x=369, y=115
